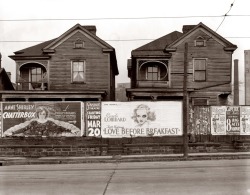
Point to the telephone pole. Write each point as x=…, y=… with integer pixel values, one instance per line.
x=185, y=104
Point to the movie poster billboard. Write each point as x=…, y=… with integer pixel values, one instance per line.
x=134, y=119
x=93, y=119
x=218, y=120
x=233, y=120
x=245, y=120
x=48, y=119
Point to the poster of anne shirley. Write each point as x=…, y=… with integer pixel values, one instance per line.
x=50, y=119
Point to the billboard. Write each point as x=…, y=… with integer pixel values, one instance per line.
x=50, y=119
x=119, y=119
x=132, y=119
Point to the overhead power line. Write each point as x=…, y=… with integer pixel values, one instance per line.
x=131, y=18
x=114, y=40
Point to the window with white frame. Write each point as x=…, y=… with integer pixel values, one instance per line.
x=78, y=71
x=79, y=44
x=200, y=42
x=199, y=66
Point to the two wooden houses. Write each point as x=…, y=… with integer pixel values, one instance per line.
x=80, y=66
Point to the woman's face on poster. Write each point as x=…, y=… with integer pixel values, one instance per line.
x=141, y=116
x=42, y=115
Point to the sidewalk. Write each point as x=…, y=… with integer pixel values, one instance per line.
x=5, y=161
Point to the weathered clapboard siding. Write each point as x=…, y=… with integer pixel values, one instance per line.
x=218, y=67
x=97, y=69
x=216, y=51
x=55, y=57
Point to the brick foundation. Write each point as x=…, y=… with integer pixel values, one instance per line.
x=90, y=146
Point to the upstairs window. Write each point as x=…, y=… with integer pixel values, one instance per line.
x=36, y=74
x=79, y=44
x=32, y=77
x=153, y=73
x=153, y=70
x=199, y=69
x=78, y=74
x=200, y=42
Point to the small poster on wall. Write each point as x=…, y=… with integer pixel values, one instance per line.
x=245, y=120
x=218, y=120
x=201, y=120
x=49, y=119
x=233, y=120
x=93, y=119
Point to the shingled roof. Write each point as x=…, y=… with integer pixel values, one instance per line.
x=36, y=50
x=157, y=46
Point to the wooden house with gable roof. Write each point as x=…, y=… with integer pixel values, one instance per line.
x=76, y=66
x=156, y=69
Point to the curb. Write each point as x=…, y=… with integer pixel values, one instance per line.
x=7, y=161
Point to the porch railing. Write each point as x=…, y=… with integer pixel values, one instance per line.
x=32, y=86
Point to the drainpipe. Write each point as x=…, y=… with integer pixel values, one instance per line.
x=236, y=83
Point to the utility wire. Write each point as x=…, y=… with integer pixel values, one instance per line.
x=225, y=16
x=138, y=18
x=114, y=40
x=133, y=18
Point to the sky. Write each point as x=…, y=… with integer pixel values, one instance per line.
x=125, y=25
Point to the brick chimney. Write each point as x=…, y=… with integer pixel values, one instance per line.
x=91, y=29
x=187, y=28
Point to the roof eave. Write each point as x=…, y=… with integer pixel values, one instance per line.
x=48, y=50
x=14, y=57
x=232, y=48
x=170, y=49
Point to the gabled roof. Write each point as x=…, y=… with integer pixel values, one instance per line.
x=170, y=41
x=91, y=35
x=42, y=50
x=228, y=45
x=157, y=46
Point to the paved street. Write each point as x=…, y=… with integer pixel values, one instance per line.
x=176, y=177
